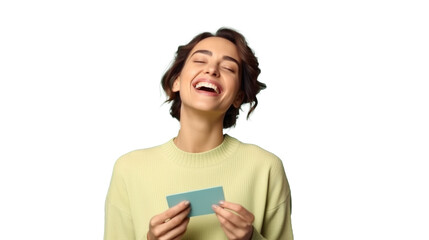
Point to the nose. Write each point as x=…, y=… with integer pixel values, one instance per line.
x=212, y=70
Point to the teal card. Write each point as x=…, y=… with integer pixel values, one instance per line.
x=201, y=200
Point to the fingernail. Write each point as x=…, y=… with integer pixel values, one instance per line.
x=186, y=203
x=221, y=202
x=214, y=206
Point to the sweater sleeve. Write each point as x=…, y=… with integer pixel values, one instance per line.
x=277, y=225
x=118, y=220
x=277, y=221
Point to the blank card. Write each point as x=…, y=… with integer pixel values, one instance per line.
x=201, y=200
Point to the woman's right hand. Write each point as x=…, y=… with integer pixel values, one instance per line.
x=171, y=224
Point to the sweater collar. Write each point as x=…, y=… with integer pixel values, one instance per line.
x=202, y=159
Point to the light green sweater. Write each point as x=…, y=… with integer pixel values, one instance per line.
x=250, y=176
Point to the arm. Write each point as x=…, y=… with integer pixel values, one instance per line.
x=277, y=220
x=118, y=220
x=277, y=223
x=170, y=224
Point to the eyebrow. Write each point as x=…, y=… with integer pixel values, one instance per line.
x=207, y=52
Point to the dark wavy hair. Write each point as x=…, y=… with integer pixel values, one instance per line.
x=249, y=72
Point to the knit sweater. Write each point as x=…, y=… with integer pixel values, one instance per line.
x=250, y=176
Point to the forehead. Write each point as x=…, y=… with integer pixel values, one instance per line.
x=218, y=46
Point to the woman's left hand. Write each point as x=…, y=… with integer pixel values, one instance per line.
x=235, y=220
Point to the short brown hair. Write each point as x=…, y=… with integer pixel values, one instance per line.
x=250, y=86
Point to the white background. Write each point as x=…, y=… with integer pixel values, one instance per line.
x=346, y=108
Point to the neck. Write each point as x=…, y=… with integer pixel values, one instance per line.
x=199, y=133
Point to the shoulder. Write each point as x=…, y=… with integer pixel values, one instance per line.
x=259, y=155
x=264, y=164
x=135, y=158
x=259, y=151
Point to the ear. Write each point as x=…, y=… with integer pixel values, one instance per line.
x=176, y=85
x=238, y=99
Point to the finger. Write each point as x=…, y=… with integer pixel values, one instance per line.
x=170, y=213
x=240, y=210
x=235, y=230
x=178, y=231
x=177, y=220
x=229, y=219
x=159, y=228
x=170, y=226
x=225, y=225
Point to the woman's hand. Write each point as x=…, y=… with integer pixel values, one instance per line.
x=235, y=220
x=170, y=224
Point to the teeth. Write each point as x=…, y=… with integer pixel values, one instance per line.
x=207, y=85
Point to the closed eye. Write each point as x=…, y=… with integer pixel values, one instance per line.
x=229, y=69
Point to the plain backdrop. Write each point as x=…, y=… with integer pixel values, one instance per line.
x=346, y=107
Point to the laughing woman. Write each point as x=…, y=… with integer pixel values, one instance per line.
x=211, y=77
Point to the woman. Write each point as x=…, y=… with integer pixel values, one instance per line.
x=211, y=77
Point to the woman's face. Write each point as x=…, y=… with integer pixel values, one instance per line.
x=210, y=78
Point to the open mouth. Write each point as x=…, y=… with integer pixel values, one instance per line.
x=208, y=87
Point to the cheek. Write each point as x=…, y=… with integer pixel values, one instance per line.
x=235, y=83
x=190, y=72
